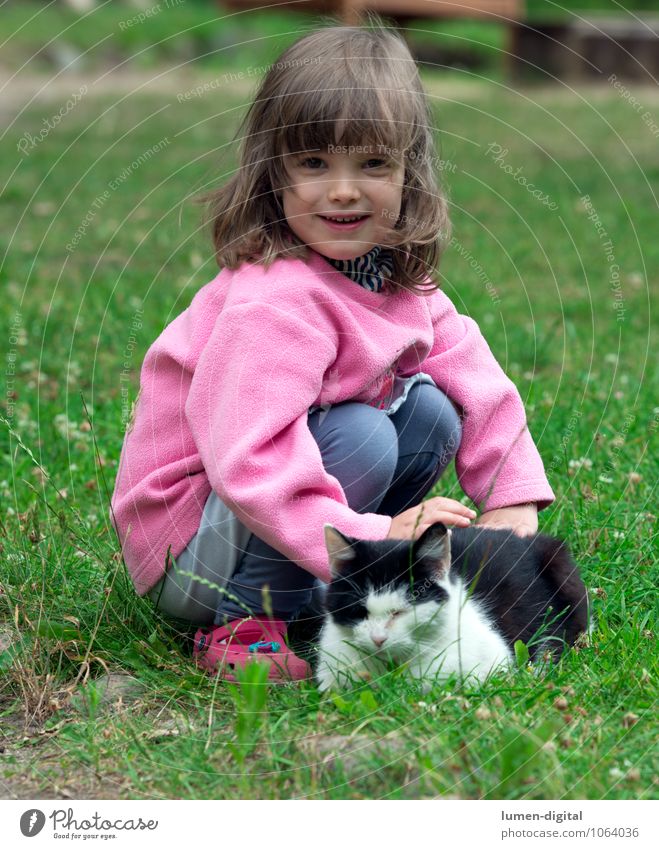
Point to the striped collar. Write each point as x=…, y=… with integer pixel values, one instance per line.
x=369, y=270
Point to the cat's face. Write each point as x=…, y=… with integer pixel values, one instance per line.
x=385, y=597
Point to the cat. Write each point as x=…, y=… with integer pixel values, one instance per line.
x=451, y=602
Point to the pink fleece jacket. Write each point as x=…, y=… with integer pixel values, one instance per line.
x=224, y=396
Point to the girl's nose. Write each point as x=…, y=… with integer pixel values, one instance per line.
x=343, y=191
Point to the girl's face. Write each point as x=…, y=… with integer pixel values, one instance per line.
x=342, y=183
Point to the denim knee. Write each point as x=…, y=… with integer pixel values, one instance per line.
x=359, y=447
x=435, y=416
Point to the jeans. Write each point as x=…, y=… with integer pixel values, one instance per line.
x=384, y=463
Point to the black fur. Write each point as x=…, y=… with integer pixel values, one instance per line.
x=378, y=565
x=530, y=587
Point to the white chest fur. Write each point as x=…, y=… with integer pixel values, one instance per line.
x=467, y=645
x=433, y=640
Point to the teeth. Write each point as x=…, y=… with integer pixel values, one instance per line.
x=344, y=220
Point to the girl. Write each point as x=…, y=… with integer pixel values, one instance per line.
x=322, y=376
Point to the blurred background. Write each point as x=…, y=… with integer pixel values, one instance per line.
x=526, y=38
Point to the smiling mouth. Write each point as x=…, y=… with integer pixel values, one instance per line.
x=343, y=223
x=344, y=219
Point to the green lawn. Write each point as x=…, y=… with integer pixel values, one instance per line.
x=562, y=290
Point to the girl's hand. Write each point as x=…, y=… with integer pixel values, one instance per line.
x=521, y=518
x=446, y=510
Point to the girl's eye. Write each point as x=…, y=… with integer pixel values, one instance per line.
x=311, y=162
x=376, y=163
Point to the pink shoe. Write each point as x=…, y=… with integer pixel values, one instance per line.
x=222, y=648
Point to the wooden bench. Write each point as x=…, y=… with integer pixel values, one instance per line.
x=399, y=11
x=575, y=48
x=588, y=48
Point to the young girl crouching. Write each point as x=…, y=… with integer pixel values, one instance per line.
x=322, y=376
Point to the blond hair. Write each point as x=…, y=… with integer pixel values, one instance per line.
x=347, y=85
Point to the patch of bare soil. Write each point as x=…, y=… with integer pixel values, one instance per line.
x=34, y=766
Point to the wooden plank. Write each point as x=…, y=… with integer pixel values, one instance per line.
x=646, y=27
x=592, y=48
x=509, y=9
x=349, y=9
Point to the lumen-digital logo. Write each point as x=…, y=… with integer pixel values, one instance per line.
x=32, y=822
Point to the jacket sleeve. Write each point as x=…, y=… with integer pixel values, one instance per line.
x=497, y=462
x=260, y=371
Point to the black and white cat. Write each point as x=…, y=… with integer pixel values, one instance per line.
x=452, y=602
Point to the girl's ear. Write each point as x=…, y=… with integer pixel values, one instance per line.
x=434, y=545
x=339, y=548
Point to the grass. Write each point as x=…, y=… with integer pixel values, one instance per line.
x=75, y=327
x=117, y=31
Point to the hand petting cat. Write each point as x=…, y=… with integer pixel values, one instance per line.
x=522, y=519
x=416, y=520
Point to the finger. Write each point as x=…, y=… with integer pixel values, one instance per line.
x=448, y=518
x=453, y=506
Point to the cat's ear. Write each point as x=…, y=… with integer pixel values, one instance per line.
x=339, y=548
x=434, y=546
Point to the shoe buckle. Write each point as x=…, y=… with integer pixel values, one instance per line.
x=264, y=646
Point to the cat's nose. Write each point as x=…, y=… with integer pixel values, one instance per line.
x=378, y=640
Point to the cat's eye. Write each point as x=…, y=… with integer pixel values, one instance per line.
x=395, y=613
